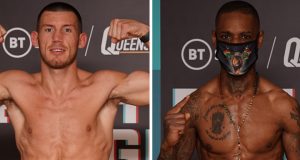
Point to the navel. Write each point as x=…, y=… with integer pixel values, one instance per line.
x=88, y=128
x=29, y=130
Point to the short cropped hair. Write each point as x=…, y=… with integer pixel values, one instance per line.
x=237, y=6
x=60, y=6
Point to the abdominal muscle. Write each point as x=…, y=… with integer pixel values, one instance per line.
x=86, y=143
x=63, y=135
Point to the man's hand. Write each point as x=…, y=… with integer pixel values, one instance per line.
x=126, y=28
x=175, y=124
x=2, y=33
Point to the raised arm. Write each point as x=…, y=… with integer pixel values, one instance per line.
x=290, y=112
x=133, y=88
x=2, y=33
x=180, y=136
x=4, y=94
x=127, y=28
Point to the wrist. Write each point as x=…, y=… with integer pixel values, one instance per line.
x=146, y=37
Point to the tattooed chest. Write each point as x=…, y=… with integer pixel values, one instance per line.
x=218, y=128
x=216, y=123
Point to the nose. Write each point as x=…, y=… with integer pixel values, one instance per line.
x=57, y=36
x=236, y=39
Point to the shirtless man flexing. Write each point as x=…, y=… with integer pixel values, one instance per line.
x=59, y=123
x=238, y=114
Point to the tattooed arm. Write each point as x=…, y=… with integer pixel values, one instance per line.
x=291, y=125
x=180, y=134
x=182, y=150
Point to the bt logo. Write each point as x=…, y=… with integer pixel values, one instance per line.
x=196, y=54
x=17, y=43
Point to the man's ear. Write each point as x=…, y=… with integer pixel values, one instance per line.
x=260, y=39
x=35, y=39
x=82, y=40
x=214, y=38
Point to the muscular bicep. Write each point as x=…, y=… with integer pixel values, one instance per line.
x=291, y=133
x=133, y=89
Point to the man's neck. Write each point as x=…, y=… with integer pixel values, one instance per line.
x=237, y=86
x=59, y=82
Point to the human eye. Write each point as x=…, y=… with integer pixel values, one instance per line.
x=68, y=30
x=48, y=29
x=225, y=37
x=246, y=37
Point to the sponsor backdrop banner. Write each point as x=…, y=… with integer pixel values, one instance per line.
x=19, y=18
x=188, y=57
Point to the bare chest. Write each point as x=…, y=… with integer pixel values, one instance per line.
x=226, y=127
x=35, y=112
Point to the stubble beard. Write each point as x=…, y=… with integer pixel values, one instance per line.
x=57, y=64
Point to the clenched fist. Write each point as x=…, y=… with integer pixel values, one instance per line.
x=175, y=124
x=126, y=28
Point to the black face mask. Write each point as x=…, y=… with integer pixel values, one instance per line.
x=237, y=59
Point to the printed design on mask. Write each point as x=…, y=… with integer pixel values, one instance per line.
x=237, y=59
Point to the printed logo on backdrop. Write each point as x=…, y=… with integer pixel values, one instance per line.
x=127, y=46
x=17, y=43
x=196, y=54
x=292, y=52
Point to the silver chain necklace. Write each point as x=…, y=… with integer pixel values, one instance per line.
x=244, y=116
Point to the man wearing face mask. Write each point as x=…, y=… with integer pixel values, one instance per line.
x=238, y=114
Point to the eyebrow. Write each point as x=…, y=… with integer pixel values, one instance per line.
x=247, y=33
x=226, y=32
x=65, y=25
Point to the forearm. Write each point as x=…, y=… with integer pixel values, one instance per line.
x=182, y=150
x=177, y=152
x=180, y=134
x=2, y=33
x=166, y=153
